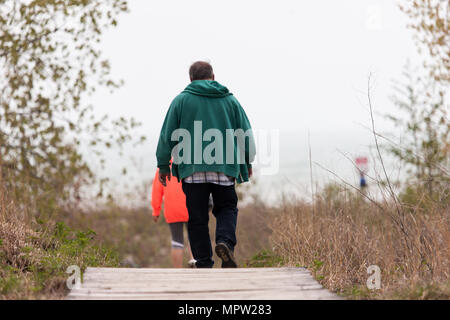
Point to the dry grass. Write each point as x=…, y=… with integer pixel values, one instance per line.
x=347, y=233
x=35, y=257
x=131, y=232
x=142, y=243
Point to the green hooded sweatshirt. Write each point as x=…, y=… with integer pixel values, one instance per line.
x=202, y=106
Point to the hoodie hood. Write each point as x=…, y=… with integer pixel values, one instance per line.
x=207, y=88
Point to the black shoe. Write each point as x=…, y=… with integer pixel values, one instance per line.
x=226, y=255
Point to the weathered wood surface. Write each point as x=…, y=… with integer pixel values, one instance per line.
x=200, y=284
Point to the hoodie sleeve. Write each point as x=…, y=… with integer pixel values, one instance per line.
x=165, y=145
x=244, y=124
x=157, y=195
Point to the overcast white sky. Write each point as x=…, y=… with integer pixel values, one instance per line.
x=294, y=65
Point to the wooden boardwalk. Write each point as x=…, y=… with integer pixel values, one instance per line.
x=200, y=284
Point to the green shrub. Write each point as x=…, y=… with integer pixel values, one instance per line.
x=44, y=258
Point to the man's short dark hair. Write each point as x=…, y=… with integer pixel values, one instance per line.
x=201, y=70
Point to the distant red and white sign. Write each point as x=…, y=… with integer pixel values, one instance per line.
x=362, y=164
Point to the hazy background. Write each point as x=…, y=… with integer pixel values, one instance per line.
x=295, y=66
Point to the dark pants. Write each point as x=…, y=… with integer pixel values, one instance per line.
x=224, y=209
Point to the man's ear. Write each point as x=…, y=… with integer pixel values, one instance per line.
x=213, y=77
x=190, y=78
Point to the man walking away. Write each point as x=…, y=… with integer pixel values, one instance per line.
x=210, y=137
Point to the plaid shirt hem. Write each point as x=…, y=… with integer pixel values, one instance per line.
x=210, y=177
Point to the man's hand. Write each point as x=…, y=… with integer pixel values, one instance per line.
x=155, y=218
x=250, y=172
x=163, y=177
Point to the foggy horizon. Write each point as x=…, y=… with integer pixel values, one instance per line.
x=296, y=75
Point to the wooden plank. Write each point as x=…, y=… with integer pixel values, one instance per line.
x=187, y=284
x=245, y=295
x=304, y=295
x=180, y=273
